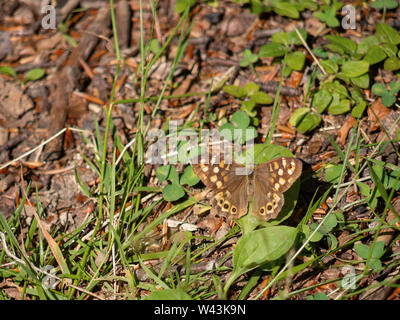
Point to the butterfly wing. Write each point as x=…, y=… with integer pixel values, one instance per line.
x=271, y=180
x=231, y=194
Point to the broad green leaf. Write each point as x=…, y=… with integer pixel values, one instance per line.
x=286, y=9
x=236, y=91
x=293, y=37
x=227, y=131
x=379, y=89
x=261, y=98
x=296, y=60
x=240, y=119
x=382, y=4
x=251, y=88
x=358, y=109
x=189, y=177
x=387, y=34
x=298, y=115
x=169, y=294
x=280, y=37
x=342, y=106
x=329, y=66
x=173, y=192
x=362, y=250
x=34, y=74
x=321, y=100
x=8, y=71
x=248, y=58
x=310, y=121
x=181, y=5
x=361, y=81
x=391, y=64
x=272, y=49
x=366, y=43
x=261, y=246
x=332, y=172
x=375, y=54
x=354, y=69
x=162, y=173
x=388, y=100
x=346, y=44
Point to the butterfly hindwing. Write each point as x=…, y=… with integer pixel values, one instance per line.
x=271, y=180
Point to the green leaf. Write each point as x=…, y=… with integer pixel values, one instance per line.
x=386, y=33
x=394, y=87
x=339, y=107
x=378, y=250
x=329, y=66
x=381, y=4
x=34, y=74
x=379, y=89
x=388, y=100
x=261, y=246
x=173, y=192
x=354, y=69
x=366, y=44
x=251, y=88
x=309, y=122
x=321, y=100
x=362, y=250
x=248, y=58
x=332, y=172
x=280, y=37
x=359, y=109
x=361, y=81
x=261, y=98
x=227, y=131
x=298, y=115
x=181, y=5
x=391, y=64
x=169, y=294
x=236, y=91
x=272, y=49
x=286, y=9
x=346, y=44
x=240, y=119
x=8, y=71
x=189, y=177
x=293, y=37
x=296, y=60
x=248, y=107
x=162, y=173
x=375, y=54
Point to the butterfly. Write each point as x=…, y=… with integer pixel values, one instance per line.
x=263, y=187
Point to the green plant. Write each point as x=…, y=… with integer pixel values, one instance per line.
x=327, y=13
x=389, y=97
x=372, y=255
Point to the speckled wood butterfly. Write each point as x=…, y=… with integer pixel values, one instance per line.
x=263, y=187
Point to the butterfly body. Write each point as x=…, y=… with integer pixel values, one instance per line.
x=236, y=186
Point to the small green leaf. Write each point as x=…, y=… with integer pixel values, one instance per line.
x=309, y=122
x=379, y=89
x=34, y=74
x=296, y=60
x=162, y=172
x=272, y=49
x=321, y=100
x=286, y=9
x=260, y=246
x=329, y=66
x=173, y=192
x=375, y=54
x=359, y=109
x=236, y=91
x=181, y=5
x=189, y=177
x=340, y=107
x=8, y=71
x=280, y=37
x=386, y=33
x=227, y=131
x=361, y=81
x=366, y=44
x=391, y=64
x=332, y=172
x=240, y=119
x=251, y=88
x=382, y=4
x=293, y=37
x=346, y=44
x=362, y=250
x=261, y=98
x=378, y=250
x=354, y=69
x=248, y=58
x=298, y=115
x=169, y=294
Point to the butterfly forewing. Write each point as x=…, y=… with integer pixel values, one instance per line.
x=264, y=186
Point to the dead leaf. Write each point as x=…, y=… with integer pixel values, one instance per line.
x=377, y=111
x=344, y=130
